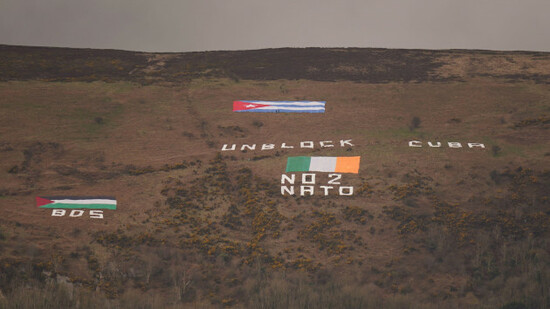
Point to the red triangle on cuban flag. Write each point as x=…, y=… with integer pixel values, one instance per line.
x=42, y=201
x=242, y=106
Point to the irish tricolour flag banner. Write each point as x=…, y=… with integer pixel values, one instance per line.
x=279, y=106
x=323, y=164
x=76, y=202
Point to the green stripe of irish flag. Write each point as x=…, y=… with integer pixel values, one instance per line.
x=323, y=164
x=73, y=202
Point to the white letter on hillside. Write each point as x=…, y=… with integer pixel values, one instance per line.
x=76, y=213
x=284, y=146
x=308, y=145
x=415, y=144
x=345, y=142
x=311, y=181
x=224, y=148
x=289, y=190
x=472, y=145
x=96, y=214
x=290, y=180
x=350, y=190
x=325, y=144
x=268, y=146
x=58, y=212
x=326, y=188
x=434, y=146
x=308, y=189
x=253, y=147
x=455, y=145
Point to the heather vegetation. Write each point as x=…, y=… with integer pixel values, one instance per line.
x=221, y=239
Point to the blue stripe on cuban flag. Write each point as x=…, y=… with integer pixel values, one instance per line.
x=279, y=106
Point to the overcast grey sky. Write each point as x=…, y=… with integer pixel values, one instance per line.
x=197, y=25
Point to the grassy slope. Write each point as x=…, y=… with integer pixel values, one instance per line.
x=433, y=226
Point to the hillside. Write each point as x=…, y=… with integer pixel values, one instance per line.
x=429, y=224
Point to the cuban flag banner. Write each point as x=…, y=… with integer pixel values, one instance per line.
x=279, y=106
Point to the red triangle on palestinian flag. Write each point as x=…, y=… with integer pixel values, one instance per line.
x=242, y=106
x=42, y=201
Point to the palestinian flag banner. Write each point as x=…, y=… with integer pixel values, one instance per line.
x=76, y=202
x=279, y=106
x=323, y=164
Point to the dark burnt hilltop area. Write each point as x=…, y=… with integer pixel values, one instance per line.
x=450, y=207
x=371, y=65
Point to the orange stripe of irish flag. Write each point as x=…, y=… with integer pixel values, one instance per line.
x=347, y=165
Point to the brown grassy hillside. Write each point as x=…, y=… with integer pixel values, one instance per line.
x=200, y=227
